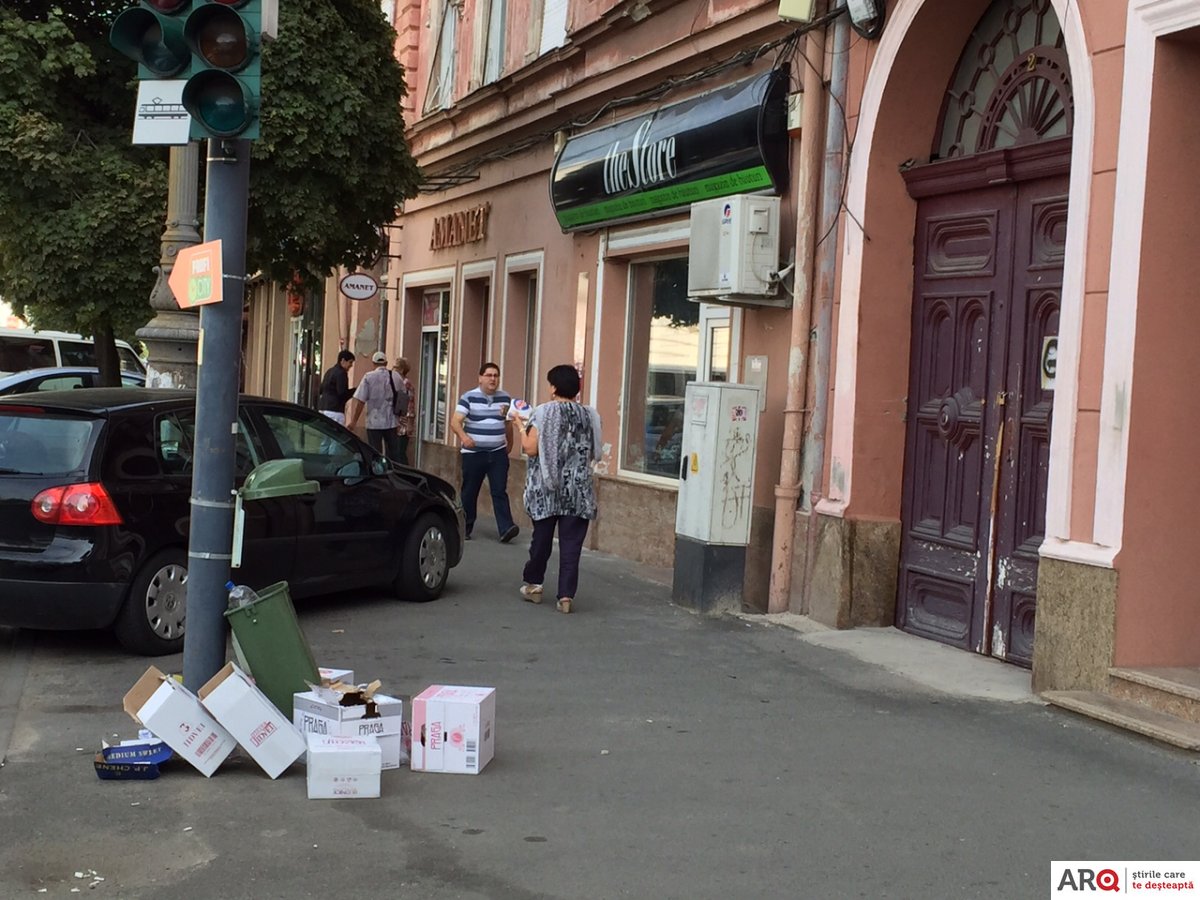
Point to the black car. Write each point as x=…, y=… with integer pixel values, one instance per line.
x=94, y=512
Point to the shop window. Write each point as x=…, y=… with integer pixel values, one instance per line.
x=435, y=365
x=663, y=355
x=519, y=375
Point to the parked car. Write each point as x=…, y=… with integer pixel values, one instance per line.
x=60, y=378
x=94, y=513
x=24, y=348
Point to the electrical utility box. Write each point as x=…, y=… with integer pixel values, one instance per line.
x=716, y=494
x=733, y=252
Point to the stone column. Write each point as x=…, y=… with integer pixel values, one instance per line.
x=172, y=336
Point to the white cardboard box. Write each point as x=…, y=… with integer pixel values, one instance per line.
x=331, y=676
x=255, y=723
x=343, y=767
x=314, y=714
x=453, y=729
x=175, y=715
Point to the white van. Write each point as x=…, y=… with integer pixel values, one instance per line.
x=27, y=349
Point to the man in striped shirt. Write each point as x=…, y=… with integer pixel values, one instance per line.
x=480, y=421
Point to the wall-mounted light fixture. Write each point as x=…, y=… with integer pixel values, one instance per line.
x=866, y=17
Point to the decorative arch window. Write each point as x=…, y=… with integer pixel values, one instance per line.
x=1012, y=85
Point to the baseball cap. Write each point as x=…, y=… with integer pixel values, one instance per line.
x=379, y=357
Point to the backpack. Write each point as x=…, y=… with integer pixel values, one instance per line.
x=399, y=398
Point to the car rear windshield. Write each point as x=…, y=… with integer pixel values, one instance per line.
x=43, y=444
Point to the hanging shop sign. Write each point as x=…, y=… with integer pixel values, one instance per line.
x=358, y=286
x=731, y=140
x=458, y=228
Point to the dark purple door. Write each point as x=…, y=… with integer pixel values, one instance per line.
x=988, y=272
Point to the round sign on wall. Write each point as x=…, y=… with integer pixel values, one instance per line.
x=359, y=286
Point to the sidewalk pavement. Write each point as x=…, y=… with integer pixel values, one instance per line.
x=641, y=751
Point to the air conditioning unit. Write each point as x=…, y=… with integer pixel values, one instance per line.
x=733, y=254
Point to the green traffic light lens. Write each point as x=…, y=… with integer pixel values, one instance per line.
x=219, y=102
x=152, y=40
x=221, y=39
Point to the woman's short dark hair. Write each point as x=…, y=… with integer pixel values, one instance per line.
x=345, y=356
x=565, y=381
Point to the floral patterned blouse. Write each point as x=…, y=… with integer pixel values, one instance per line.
x=558, y=481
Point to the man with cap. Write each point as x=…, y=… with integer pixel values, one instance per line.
x=377, y=392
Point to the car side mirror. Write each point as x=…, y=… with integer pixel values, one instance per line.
x=380, y=465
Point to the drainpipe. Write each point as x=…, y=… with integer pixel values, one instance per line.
x=831, y=204
x=788, y=492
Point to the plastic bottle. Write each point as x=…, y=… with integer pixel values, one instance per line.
x=239, y=594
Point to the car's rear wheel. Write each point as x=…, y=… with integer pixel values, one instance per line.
x=152, y=620
x=425, y=565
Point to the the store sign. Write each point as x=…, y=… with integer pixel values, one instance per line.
x=458, y=228
x=729, y=141
x=359, y=286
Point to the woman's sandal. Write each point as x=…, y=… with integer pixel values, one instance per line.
x=563, y=605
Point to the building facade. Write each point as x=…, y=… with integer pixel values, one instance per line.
x=964, y=425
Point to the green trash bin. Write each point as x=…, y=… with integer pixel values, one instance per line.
x=267, y=637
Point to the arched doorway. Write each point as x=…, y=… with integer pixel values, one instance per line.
x=988, y=263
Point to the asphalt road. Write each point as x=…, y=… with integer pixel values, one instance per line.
x=642, y=752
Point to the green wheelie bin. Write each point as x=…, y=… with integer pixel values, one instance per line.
x=268, y=639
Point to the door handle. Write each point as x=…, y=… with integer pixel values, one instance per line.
x=683, y=466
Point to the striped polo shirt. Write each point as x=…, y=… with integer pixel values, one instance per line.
x=483, y=419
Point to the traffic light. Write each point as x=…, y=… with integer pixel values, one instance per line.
x=214, y=45
x=223, y=93
x=151, y=34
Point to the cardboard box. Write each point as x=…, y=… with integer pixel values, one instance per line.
x=262, y=730
x=333, y=676
x=124, y=771
x=343, y=767
x=453, y=729
x=175, y=714
x=321, y=712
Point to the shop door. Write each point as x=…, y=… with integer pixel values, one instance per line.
x=988, y=277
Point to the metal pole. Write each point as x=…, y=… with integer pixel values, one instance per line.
x=831, y=207
x=211, y=536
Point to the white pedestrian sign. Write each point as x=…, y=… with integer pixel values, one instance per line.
x=161, y=118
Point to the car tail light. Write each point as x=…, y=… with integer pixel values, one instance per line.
x=76, y=504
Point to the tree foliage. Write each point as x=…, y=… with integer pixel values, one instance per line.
x=82, y=209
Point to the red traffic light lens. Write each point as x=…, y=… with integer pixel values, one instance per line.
x=221, y=39
x=167, y=6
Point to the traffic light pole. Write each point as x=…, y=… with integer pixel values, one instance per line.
x=211, y=534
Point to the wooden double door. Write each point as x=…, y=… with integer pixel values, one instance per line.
x=988, y=278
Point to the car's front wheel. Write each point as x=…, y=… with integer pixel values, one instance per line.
x=152, y=620
x=425, y=565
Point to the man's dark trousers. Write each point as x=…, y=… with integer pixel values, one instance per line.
x=493, y=465
x=385, y=440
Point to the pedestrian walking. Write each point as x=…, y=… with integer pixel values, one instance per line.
x=407, y=423
x=335, y=390
x=377, y=392
x=562, y=440
x=479, y=422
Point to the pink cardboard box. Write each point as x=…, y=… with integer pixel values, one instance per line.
x=453, y=729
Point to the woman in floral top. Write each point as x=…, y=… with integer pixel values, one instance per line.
x=562, y=440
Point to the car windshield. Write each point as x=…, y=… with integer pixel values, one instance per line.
x=40, y=444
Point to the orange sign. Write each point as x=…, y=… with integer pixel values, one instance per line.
x=196, y=277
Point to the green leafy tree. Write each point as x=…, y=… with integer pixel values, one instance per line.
x=82, y=209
